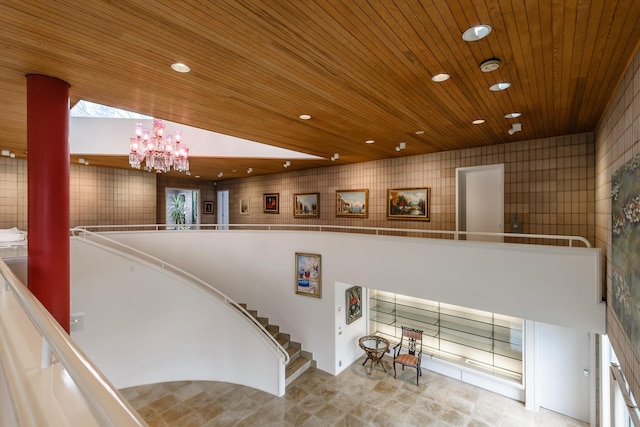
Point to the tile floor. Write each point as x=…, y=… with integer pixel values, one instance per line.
x=352, y=398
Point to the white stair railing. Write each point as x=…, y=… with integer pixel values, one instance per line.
x=122, y=248
x=105, y=403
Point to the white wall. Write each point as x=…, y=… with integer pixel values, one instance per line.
x=555, y=285
x=143, y=325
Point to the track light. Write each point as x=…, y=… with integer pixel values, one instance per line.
x=515, y=127
x=250, y=170
x=287, y=164
x=335, y=157
x=401, y=146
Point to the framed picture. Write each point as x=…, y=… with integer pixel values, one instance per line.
x=306, y=205
x=244, y=207
x=408, y=203
x=308, y=275
x=271, y=203
x=208, y=207
x=354, y=303
x=353, y=203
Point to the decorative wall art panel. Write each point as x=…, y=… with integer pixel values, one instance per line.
x=625, y=248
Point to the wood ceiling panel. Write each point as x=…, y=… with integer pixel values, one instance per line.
x=362, y=69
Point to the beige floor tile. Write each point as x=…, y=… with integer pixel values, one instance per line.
x=353, y=398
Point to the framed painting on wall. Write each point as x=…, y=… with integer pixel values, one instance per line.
x=354, y=303
x=271, y=203
x=408, y=203
x=306, y=205
x=244, y=207
x=308, y=280
x=208, y=208
x=352, y=203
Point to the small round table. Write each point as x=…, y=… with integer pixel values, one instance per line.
x=375, y=347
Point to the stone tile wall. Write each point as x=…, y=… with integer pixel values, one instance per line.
x=617, y=141
x=98, y=196
x=549, y=184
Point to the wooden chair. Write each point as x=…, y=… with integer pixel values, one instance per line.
x=411, y=341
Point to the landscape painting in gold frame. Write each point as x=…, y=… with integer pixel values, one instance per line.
x=352, y=203
x=409, y=203
x=306, y=205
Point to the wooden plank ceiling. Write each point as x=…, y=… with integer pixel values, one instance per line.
x=361, y=69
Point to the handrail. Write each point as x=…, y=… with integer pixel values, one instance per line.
x=316, y=227
x=77, y=231
x=104, y=401
x=632, y=408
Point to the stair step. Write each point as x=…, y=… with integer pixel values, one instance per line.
x=264, y=321
x=293, y=350
x=283, y=340
x=273, y=329
x=254, y=313
x=296, y=367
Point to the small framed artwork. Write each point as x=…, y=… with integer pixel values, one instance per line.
x=353, y=203
x=208, y=207
x=306, y=205
x=408, y=203
x=308, y=279
x=244, y=207
x=271, y=203
x=354, y=303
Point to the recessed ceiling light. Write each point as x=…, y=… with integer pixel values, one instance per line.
x=476, y=33
x=440, y=77
x=512, y=115
x=197, y=176
x=304, y=116
x=419, y=132
x=369, y=141
x=478, y=122
x=180, y=67
x=499, y=86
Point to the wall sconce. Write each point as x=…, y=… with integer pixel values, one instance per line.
x=335, y=157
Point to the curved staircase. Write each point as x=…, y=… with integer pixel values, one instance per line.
x=299, y=360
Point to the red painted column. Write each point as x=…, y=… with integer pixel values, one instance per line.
x=48, y=193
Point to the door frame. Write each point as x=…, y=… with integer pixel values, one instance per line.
x=461, y=193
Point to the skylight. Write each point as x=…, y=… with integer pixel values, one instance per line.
x=90, y=109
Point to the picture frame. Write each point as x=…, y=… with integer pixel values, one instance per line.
x=244, y=207
x=271, y=203
x=353, y=303
x=409, y=203
x=208, y=208
x=352, y=203
x=306, y=205
x=308, y=275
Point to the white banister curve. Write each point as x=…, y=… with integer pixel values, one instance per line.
x=106, y=404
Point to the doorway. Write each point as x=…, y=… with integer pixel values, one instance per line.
x=480, y=201
x=223, y=209
x=182, y=207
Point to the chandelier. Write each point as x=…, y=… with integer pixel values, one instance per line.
x=158, y=152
